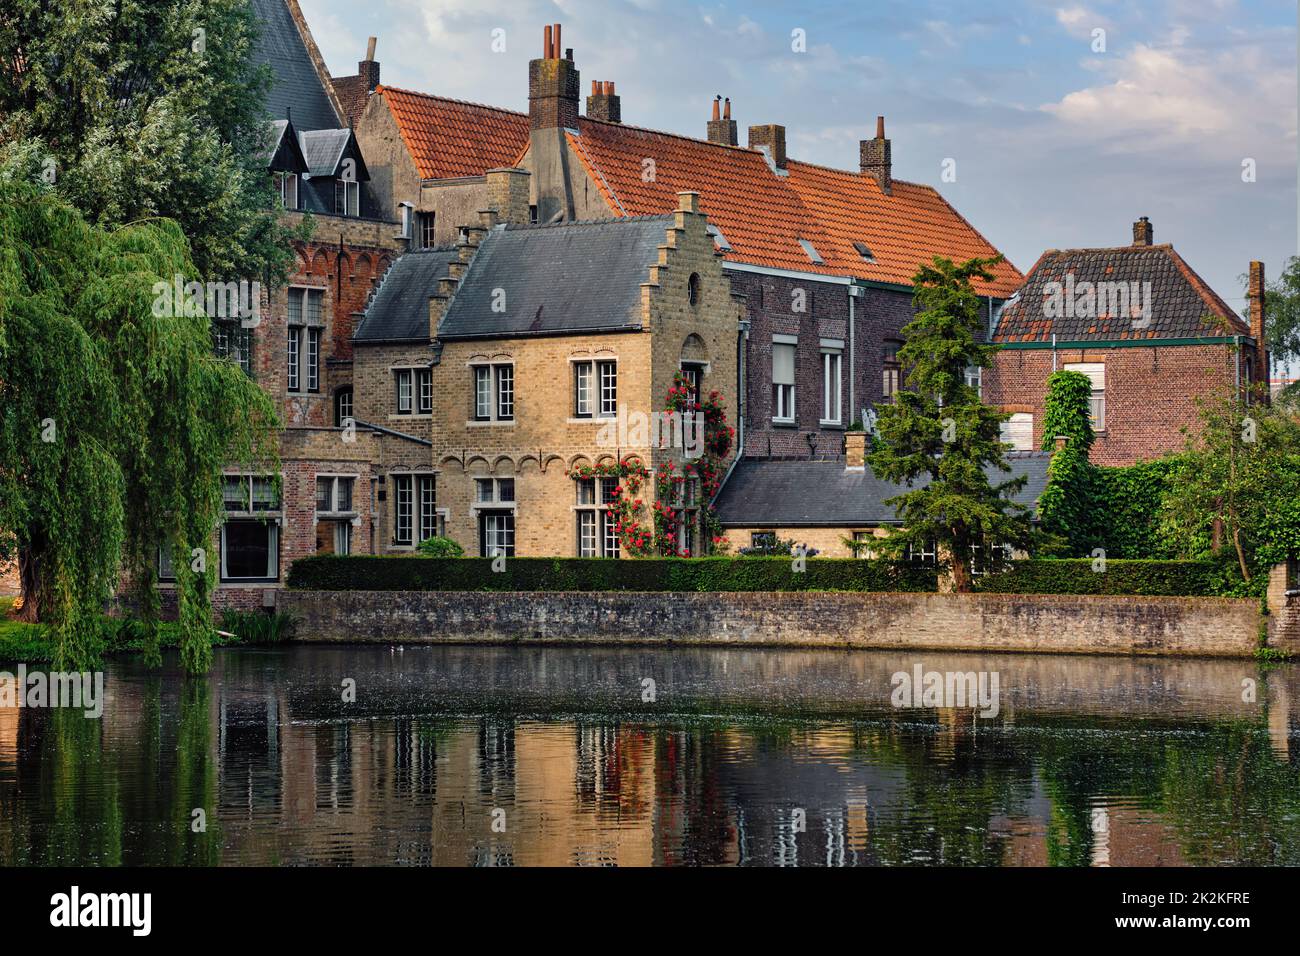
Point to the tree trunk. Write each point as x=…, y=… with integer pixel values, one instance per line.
x=29, y=577
x=1241, y=555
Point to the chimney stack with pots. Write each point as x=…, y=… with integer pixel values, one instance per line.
x=553, y=91
x=722, y=128
x=1256, y=292
x=603, y=103
x=875, y=158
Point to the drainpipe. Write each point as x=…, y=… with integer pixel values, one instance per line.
x=1053, y=351
x=853, y=352
x=742, y=337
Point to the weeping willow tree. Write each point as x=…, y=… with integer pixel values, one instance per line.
x=115, y=423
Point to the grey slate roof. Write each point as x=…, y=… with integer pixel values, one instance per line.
x=566, y=277
x=398, y=310
x=781, y=493
x=295, y=83
x=324, y=148
x=1182, y=304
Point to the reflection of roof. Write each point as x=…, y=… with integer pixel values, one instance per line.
x=398, y=310
x=781, y=493
x=580, y=276
x=295, y=82
x=448, y=139
x=1181, y=304
x=768, y=219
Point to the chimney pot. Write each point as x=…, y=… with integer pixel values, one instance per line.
x=875, y=158
x=880, y=127
x=603, y=104
x=553, y=88
x=726, y=113
x=370, y=47
x=717, y=112
x=547, y=44
x=555, y=35
x=722, y=130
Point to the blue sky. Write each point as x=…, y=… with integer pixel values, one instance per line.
x=1055, y=145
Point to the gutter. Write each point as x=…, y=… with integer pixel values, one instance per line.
x=395, y=434
x=1054, y=345
x=742, y=337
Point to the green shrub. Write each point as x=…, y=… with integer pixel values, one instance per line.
x=375, y=573
x=1071, y=576
x=436, y=547
x=257, y=627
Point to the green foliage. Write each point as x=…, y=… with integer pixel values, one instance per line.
x=134, y=115
x=437, y=547
x=258, y=627
x=1282, y=298
x=377, y=573
x=939, y=437
x=1174, y=578
x=1067, y=411
x=114, y=422
x=778, y=547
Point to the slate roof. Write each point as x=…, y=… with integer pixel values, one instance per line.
x=778, y=493
x=295, y=83
x=762, y=214
x=565, y=277
x=284, y=152
x=323, y=150
x=449, y=139
x=398, y=310
x=1182, y=304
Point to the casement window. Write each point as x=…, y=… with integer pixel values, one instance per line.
x=693, y=373
x=342, y=406
x=685, y=505
x=783, y=351
x=496, y=534
x=166, y=571
x=893, y=370
x=1018, y=432
x=234, y=342
x=347, y=198
x=494, y=491
x=596, y=523
x=862, y=545
x=762, y=540
x=415, y=509
x=425, y=222
x=414, y=391
x=303, y=354
x=494, y=393
x=286, y=184
x=926, y=555
x=334, y=494
x=250, y=537
x=986, y=560
x=595, y=389
x=975, y=379
x=832, y=380
x=1096, y=372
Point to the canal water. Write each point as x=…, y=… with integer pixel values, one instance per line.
x=498, y=756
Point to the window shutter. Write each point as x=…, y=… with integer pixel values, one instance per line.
x=782, y=364
x=1018, y=431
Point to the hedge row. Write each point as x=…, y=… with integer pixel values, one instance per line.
x=1079, y=576
x=378, y=573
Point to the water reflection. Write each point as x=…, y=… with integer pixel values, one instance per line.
x=517, y=756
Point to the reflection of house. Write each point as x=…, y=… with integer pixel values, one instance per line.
x=828, y=503
x=1143, y=326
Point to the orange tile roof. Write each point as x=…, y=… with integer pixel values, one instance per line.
x=903, y=230
x=448, y=138
x=761, y=214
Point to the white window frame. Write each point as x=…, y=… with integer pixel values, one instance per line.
x=832, y=383
x=595, y=507
x=783, y=393
x=1096, y=372
x=493, y=392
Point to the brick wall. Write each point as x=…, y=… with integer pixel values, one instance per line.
x=1084, y=624
x=829, y=542
x=1151, y=393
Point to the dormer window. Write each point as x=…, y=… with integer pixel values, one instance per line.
x=812, y=252
x=347, y=198
x=719, y=240
x=864, y=252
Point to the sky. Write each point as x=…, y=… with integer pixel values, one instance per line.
x=1060, y=123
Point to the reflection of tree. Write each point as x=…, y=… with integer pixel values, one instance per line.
x=194, y=781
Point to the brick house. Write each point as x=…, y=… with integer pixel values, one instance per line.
x=526, y=352
x=824, y=257
x=300, y=352
x=1150, y=333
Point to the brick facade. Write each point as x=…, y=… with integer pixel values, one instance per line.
x=1151, y=392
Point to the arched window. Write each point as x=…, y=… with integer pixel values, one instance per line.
x=342, y=405
x=693, y=288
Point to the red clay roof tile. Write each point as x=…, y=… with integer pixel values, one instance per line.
x=448, y=138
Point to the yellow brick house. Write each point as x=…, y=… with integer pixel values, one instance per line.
x=530, y=353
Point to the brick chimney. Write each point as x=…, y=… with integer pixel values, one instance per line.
x=368, y=69
x=1255, y=295
x=507, y=190
x=1144, y=233
x=722, y=129
x=603, y=104
x=855, y=451
x=875, y=158
x=354, y=91
x=552, y=86
x=771, y=139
